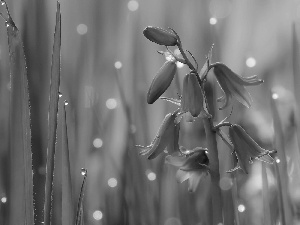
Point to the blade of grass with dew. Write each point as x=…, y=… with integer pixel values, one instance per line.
x=52, y=116
x=281, y=172
x=79, y=213
x=67, y=199
x=21, y=193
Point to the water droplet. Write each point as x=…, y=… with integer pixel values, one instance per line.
x=97, y=215
x=250, y=62
x=213, y=21
x=112, y=182
x=118, y=65
x=133, y=5
x=2, y=2
x=275, y=96
x=4, y=199
x=83, y=171
x=241, y=208
x=59, y=94
x=277, y=160
x=111, y=103
x=98, y=143
x=66, y=102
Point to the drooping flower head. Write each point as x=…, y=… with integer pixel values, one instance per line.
x=233, y=85
x=246, y=149
x=193, y=165
x=166, y=138
x=162, y=80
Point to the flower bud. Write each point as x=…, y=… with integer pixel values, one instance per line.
x=160, y=36
x=161, y=81
x=192, y=98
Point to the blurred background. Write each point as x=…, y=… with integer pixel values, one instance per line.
x=106, y=69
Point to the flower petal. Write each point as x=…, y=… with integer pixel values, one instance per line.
x=182, y=176
x=194, y=179
x=177, y=161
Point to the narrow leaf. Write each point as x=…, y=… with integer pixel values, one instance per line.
x=21, y=199
x=52, y=116
x=67, y=199
x=79, y=214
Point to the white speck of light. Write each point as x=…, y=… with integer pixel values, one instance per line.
x=275, y=96
x=2, y=3
x=83, y=171
x=241, y=208
x=133, y=5
x=112, y=182
x=3, y=199
x=278, y=160
x=98, y=143
x=82, y=29
x=97, y=215
x=118, y=65
x=179, y=64
x=213, y=20
x=111, y=103
x=66, y=103
x=250, y=62
x=151, y=176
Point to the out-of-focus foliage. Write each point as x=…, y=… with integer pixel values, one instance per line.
x=102, y=42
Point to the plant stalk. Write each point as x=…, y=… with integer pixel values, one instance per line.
x=216, y=194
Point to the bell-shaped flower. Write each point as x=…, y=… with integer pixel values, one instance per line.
x=233, y=85
x=160, y=36
x=192, y=98
x=161, y=81
x=165, y=140
x=246, y=149
x=193, y=165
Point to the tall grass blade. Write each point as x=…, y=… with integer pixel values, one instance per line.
x=21, y=193
x=67, y=198
x=52, y=116
x=281, y=168
x=265, y=196
x=79, y=214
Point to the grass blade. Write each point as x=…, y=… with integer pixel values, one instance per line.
x=79, y=214
x=53, y=108
x=20, y=132
x=67, y=199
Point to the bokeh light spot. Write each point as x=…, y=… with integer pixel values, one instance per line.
x=277, y=160
x=172, y=221
x=250, y=62
x=82, y=29
x=111, y=103
x=3, y=199
x=118, y=65
x=97, y=215
x=112, y=182
x=241, y=208
x=133, y=5
x=275, y=96
x=97, y=142
x=150, y=175
x=213, y=20
x=225, y=183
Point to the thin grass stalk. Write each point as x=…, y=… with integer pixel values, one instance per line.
x=21, y=194
x=67, y=198
x=79, y=213
x=265, y=196
x=52, y=116
x=281, y=167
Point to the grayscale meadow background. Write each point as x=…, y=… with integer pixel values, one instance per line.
x=107, y=66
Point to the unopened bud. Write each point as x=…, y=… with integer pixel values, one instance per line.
x=161, y=81
x=160, y=36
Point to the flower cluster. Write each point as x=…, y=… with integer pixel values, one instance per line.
x=194, y=164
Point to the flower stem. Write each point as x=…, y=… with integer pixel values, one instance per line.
x=216, y=194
